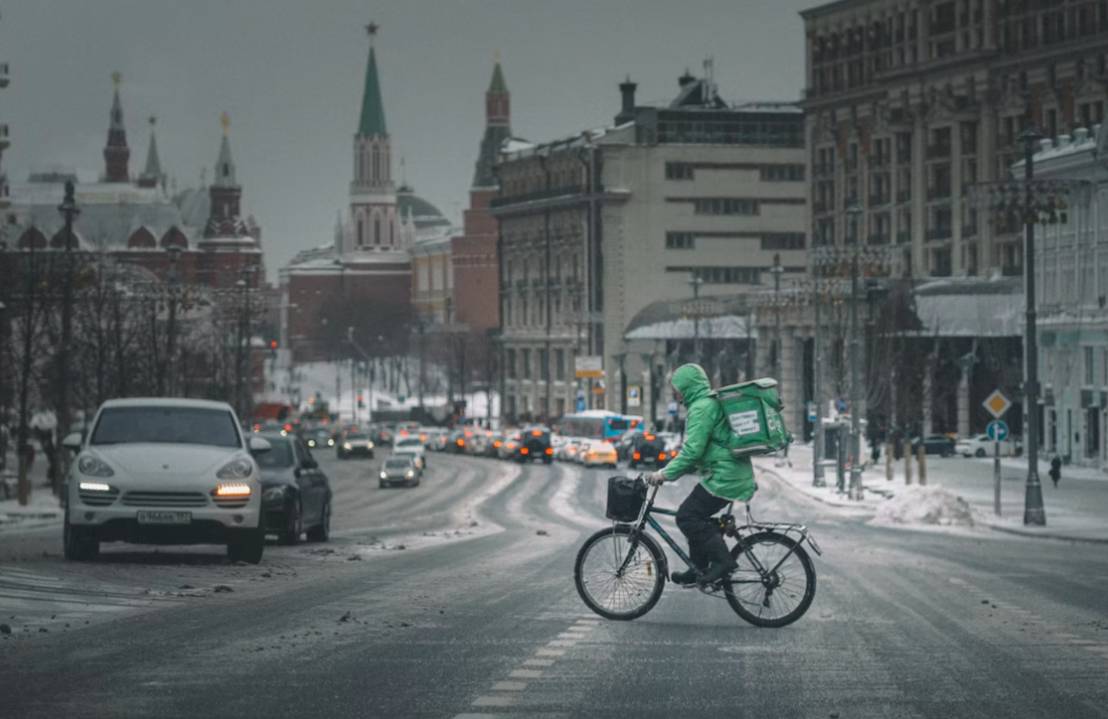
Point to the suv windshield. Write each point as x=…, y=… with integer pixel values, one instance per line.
x=409, y=443
x=398, y=463
x=177, y=425
x=356, y=437
x=279, y=457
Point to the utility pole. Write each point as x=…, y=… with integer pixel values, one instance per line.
x=1033, y=511
x=818, y=480
x=777, y=271
x=696, y=281
x=854, y=211
x=69, y=210
x=171, y=326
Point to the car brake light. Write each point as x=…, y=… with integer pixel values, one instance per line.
x=549, y=450
x=536, y=433
x=524, y=450
x=662, y=455
x=637, y=455
x=497, y=443
x=461, y=443
x=648, y=437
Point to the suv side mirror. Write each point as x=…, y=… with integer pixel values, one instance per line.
x=72, y=441
x=257, y=445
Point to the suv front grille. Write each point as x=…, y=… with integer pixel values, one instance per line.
x=98, y=499
x=165, y=499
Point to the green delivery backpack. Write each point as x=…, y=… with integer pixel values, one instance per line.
x=753, y=413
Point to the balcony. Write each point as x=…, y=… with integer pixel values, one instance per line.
x=939, y=233
x=4, y=141
x=4, y=76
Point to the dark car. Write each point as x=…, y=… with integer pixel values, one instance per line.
x=457, y=440
x=296, y=494
x=399, y=469
x=648, y=448
x=623, y=444
x=354, y=444
x=534, y=443
x=938, y=444
x=319, y=438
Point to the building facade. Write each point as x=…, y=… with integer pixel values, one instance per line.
x=693, y=197
x=910, y=103
x=1071, y=271
x=362, y=279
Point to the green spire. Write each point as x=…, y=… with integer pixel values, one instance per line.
x=498, y=86
x=373, y=110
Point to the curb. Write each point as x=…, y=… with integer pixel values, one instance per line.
x=821, y=500
x=1038, y=535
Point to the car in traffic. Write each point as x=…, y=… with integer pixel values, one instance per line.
x=411, y=445
x=535, y=445
x=319, y=438
x=354, y=443
x=164, y=471
x=938, y=444
x=296, y=493
x=981, y=446
x=599, y=453
x=399, y=469
x=649, y=449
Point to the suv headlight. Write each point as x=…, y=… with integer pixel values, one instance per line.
x=409, y=474
x=347, y=446
x=238, y=468
x=369, y=444
x=384, y=475
x=94, y=467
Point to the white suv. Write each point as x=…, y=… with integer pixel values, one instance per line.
x=164, y=471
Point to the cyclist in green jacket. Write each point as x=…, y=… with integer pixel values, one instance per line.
x=723, y=478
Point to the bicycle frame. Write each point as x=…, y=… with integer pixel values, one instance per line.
x=727, y=526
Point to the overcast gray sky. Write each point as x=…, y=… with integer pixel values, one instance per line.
x=289, y=72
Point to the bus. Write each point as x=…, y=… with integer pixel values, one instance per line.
x=598, y=424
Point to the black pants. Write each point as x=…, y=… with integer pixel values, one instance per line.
x=694, y=520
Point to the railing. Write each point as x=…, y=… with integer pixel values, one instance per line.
x=938, y=151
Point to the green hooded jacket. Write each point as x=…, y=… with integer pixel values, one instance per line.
x=707, y=440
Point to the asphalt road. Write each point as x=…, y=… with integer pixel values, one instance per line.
x=456, y=598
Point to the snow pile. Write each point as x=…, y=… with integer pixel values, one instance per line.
x=929, y=505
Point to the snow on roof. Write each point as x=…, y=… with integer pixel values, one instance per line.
x=769, y=106
x=165, y=402
x=728, y=327
x=950, y=308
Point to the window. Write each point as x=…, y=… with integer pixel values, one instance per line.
x=1089, y=365
x=725, y=206
x=525, y=370
x=544, y=365
x=376, y=230
x=783, y=241
x=559, y=364
x=679, y=241
x=510, y=362
x=679, y=171
x=722, y=275
x=782, y=173
x=361, y=232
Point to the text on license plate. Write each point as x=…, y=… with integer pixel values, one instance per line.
x=164, y=517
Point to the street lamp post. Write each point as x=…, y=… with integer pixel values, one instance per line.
x=854, y=211
x=1033, y=512
x=171, y=325
x=69, y=211
x=695, y=282
x=777, y=270
x=818, y=479
x=621, y=359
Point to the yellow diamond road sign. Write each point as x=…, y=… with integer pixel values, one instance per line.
x=997, y=404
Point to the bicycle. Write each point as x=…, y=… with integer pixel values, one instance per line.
x=620, y=571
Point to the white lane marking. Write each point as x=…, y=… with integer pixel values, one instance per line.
x=538, y=662
x=562, y=643
x=526, y=673
x=572, y=635
x=493, y=700
x=550, y=652
x=509, y=686
x=562, y=501
x=477, y=716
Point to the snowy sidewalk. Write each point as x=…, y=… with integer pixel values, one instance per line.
x=43, y=508
x=1076, y=510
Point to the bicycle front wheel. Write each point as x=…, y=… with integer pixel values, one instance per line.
x=777, y=588
x=616, y=593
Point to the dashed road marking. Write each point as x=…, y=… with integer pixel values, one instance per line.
x=538, y=662
x=525, y=674
x=544, y=652
x=509, y=686
x=494, y=700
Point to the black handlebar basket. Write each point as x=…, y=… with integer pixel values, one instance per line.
x=625, y=498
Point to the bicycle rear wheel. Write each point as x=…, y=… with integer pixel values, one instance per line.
x=607, y=591
x=784, y=594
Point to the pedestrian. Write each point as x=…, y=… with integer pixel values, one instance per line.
x=723, y=478
x=1055, y=469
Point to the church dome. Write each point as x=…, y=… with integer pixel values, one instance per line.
x=424, y=214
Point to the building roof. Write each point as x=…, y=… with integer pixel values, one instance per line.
x=721, y=317
x=225, y=164
x=497, y=85
x=153, y=162
x=970, y=307
x=372, y=121
x=423, y=213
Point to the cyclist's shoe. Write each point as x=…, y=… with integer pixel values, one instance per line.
x=686, y=578
x=721, y=564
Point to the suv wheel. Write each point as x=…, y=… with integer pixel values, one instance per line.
x=322, y=531
x=294, y=524
x=80, y=544
x=246, y=546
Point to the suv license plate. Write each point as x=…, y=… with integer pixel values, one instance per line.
x=164, y=517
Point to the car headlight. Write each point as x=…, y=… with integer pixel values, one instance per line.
x=409, y=474
x=238, y=468
x=330, y=443
x=369, y=445
x=384, y=475
x=93, y=467
x=311, y=443
x=94, y=487
x=274, y=494
x=347, y=445
x=232, y=489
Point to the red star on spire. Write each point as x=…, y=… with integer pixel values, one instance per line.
x=372, y=28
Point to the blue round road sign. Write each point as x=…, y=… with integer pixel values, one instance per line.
x=997, y=430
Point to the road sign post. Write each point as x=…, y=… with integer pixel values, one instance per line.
x=997, y=404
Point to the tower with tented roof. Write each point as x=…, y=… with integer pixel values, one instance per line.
x=117, y=154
